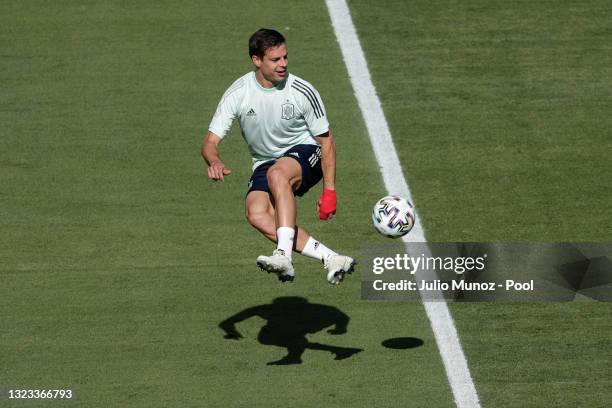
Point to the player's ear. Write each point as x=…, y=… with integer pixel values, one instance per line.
x=256, y=60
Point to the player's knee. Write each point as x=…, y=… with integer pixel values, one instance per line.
x=276, y=176
x=256, y=218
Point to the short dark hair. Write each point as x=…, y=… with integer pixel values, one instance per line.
x=263, y=39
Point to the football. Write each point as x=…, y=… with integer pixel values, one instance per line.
x=393, y=216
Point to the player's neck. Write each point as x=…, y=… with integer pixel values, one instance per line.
x=263, y=81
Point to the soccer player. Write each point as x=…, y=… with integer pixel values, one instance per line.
x=284, y=123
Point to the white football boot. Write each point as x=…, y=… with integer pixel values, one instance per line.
x=337, y=267
x=279, y=264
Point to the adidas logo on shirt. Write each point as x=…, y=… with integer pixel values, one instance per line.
x=251, y=112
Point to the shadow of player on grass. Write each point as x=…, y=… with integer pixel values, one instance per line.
x=289, y=320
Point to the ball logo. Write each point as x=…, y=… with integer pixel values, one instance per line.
x=390, y=214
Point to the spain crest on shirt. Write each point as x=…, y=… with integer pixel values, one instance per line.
x=288, y=111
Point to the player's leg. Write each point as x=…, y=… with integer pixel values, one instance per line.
x=275, y=217
x=261, y=201
x=261, y=215
x=284, y=180
x=284, y=177
x=309, y=159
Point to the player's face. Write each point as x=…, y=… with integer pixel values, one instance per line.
x=273, y=66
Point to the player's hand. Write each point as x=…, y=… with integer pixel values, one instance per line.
x=326, y=206
x=217, y=171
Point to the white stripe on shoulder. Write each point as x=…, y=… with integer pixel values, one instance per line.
x=237, y=85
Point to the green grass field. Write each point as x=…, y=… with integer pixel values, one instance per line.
x=118, y=259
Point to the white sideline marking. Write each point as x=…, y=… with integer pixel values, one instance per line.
x=442, y=323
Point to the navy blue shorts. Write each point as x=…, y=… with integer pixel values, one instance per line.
x=309, y=157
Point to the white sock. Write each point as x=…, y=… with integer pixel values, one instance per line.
x=315, y=249
x=284, y=239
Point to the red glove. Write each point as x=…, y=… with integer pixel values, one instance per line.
x=327, y=204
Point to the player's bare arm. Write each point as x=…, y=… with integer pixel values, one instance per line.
x=210, y=152
x=326, y=206
x=328, y=159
